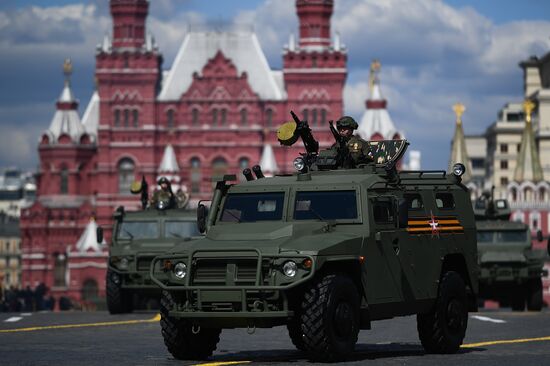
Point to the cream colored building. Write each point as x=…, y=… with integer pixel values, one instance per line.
x=10, y=252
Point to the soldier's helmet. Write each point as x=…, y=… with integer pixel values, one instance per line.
x=347, y=122
x=163, y=180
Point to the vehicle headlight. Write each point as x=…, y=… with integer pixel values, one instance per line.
x=299, y=164
x=180, y=270
x=459, y=169
x=290, y=268
x=123, y=264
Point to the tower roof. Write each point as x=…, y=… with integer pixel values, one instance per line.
x=459, y=153
x=528, y=167
x=169, y=163
x=268, y=161
x=90, y=118
x=88, y=239
x=240, y=46
x=376, y=122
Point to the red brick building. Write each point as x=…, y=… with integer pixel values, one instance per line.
x=215, y=110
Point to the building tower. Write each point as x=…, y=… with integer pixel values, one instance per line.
x=528, y=167
x=458, y=148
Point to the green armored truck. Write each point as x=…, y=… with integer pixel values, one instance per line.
x=137, y=237
x=511, y=270
x=325, y=251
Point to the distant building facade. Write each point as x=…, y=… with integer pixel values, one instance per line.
x=17, y=190
x=10, y=252
x=215, y=110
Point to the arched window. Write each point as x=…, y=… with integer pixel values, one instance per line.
x=60, y=270
x=195, y=175
x=126, y=118
x=214, y=117
x=117, y=117
x=125, y=175
x=219, y=166
x=244, y=163
x=314, y=117
x=170, y=118
x=305, y=114
x=64, y=180
x=224, y=116
x=514, y=194
x=528, y=194
x=244, y=117
x=195, y=117
x=135, y=113
x=269, y=117
x=542, y=194
x=323, y=117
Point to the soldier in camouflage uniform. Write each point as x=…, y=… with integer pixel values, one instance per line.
x=358, y=151
x=163, y=198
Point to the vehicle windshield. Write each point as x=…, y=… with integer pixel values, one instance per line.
x=325, y=205
x=251, y=207
x=180, y=229
x=131, y=230
x=504, y=236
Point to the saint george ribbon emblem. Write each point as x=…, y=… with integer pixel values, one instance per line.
x=434, y=225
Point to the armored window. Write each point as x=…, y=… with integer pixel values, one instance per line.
x=244, y=117
x=180, y=229
x=214, y=117
x=131, y=230
x=444, y=201
x=224, y=116
x=117, y=117
x=125, y=175
x=323, y=117
x=269, y=117
x=195, y=175
x=251, y=207
x=126, y=118
x=170, y=118
x=383, y=210
x=64, y=181
x=60, y=270
x=135, y=114
x=414, y=201
x=314, y=117
x=195, y=117
x=325, y=205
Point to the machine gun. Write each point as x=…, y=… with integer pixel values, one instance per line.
x=343, y=150
x=143, y=188
x=487, y=208
x=291, y=131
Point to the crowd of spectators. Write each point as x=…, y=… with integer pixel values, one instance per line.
x=29, y=300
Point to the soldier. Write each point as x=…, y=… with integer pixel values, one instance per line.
x=351, y=150
x=163, y=198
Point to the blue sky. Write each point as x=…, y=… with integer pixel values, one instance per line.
x=433, y=53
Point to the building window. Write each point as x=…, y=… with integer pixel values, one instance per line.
x=504, y=148
x=219, y=166
x=323, y=117
x=314, y=117
x=60, y=270
x=514, y=194
x=125, y=175
x=542, y=194
x=214, y=117
x=195, y=117
x=244, y=116
x=244, y=163
x=519, y=148
x=64, y=183
x=503, y=181
x=224, y=116
x=305, y=114
x=90, y=290
x=170, y=118
x=195, y=175
x=478, y=163
x=269, y=117
x=117, y=117
x=126, y=118
x=504, y=164
x=528, y=194
x=135, y=113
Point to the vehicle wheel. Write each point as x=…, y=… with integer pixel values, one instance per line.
x=534, y=295
x=296, y=335
x=330, y=318
x=180, y=338
x=518, y=299
x=118, y=301
x=443, y=329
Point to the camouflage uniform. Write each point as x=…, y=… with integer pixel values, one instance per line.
x=358, y=149
x=164, y=195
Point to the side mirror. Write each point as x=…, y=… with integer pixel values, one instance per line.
x=99, y=234
x=539, y=235
x=202, y=214
x=403, y=210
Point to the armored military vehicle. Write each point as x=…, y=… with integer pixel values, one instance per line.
x=139, y=236
x=511, y=270
x=325, y=251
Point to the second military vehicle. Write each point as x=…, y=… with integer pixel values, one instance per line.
x=511, y=270
x=325, y=252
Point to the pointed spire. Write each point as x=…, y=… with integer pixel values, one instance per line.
x=106, y=45
x=67, y=94
x=268, y=162
x=88, y=239
x=459, y=153
x=337, y=43
x=291, y=43
x=528, y=167
x=169, y=163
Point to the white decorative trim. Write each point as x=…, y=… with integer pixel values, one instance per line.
x=88, y=255
x=33, y=256
x=86, y=265
x=335, y=70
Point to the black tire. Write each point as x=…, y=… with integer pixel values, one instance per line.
x=118, y=301
x=296, y=335
x=534, y=295
x=330, y=318
x=179, y=338
x=443, y=329
x=517, y=302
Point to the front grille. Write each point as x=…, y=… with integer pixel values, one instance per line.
x=144, y=263
x=238, y=271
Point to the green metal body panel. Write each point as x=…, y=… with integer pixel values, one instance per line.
x=235, y=274
x=139, y=252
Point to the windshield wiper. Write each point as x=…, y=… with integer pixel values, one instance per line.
x=175, y=234
x=330, y=223
x=129, y=234
x=232, y=214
